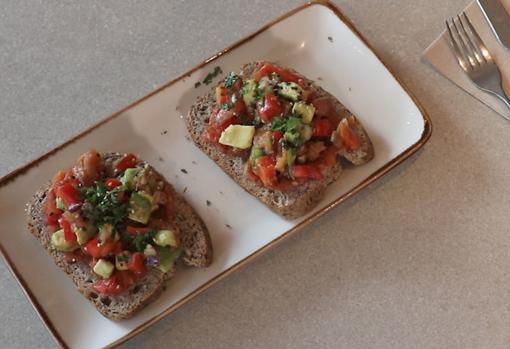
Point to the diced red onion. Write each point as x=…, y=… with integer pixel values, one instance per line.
x=152, y=260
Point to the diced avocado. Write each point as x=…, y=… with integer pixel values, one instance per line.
x=128, y=179
x=140, y=207
x=166, y=238
x=257, y=153
x=59, y=242
x=59, y=203
x=306, y=132
x=238, y=136
x=105, y=232
x=149, y=250
x=103, y=268
x=305, y=110
x=121, y=260
x=293, y=137
x=167, y=257
x=264, y=86
x=289, y=90
x=84, y=234
x=249, y=92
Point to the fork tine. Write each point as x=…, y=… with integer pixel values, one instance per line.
x=463, y=43
x=469, y=39
x=481, y=46
x=461, y=58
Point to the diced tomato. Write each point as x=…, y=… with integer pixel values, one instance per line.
x=112, y=183
x=268, y=69
x=128, y=161
x=222, y=96
x=69, y=235
x=137, y=263
x=98, y=250
x=239, y=107
x=306, y=171
x=322, y=128
x=221, y=119
x=350, y=139
x=115, y=284
x=251, y=175
x=270, y=108
x=323, y=106
x=211, y=134
x=51, y=211
x=277, y=135
x=265, y=168
x=137, y=230
x=68, y=193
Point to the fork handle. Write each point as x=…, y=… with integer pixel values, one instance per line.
x=499, y=93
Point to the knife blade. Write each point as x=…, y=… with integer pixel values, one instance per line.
x=498, y=20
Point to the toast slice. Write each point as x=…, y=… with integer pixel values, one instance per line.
x=301, y=199
x=195, y=240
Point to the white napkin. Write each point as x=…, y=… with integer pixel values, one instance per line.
x=442, y=58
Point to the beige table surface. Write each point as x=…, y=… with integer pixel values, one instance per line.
x=419, y=260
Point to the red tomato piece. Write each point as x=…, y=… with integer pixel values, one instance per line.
x=270, y=108
x=51, y=211
x=251, y=175
x=98, y=250
x=350, y=139
x=128, y=161
x=277, y=135
x=115, y=284
x=69, y=194
x=322, y=128
x=137, y=263
x=137, y=230
x=265, y=168
x=268, y=69
x=306, y=171
x=69, y=235
x=112, y=183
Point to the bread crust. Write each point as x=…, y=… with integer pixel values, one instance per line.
x=292, y=203
x=198, y=252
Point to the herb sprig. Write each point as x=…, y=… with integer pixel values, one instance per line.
x=102, y=206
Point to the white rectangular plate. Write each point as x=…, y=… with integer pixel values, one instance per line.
x=315, y=39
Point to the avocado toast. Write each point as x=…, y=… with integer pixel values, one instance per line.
x=279, y=135
x=118, y=229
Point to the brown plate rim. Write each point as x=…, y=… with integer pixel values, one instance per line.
x=426, y=134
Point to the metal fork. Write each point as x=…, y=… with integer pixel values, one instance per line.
x=474, y=58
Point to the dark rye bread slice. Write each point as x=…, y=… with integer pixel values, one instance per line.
x=194, y=237
x=299, y=200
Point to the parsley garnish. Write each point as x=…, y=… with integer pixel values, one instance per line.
x=230, y=79
x=209, y=77
x=102, y=206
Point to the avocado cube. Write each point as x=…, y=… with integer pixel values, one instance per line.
x=128, y=179
x=249, y=92
x=140, y=207
x=59, y=242
x=105, y=232
x=306, y=111
x=289, y=90
x=167, y=257
x=238, y=136
x=84, y=234
x=103, y=268
x=166, y=238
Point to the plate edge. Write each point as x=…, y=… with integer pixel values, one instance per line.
x=425, y=136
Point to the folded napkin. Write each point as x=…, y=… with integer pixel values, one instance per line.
x=443, y=59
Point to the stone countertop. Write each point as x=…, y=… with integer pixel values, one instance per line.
x=421, y=259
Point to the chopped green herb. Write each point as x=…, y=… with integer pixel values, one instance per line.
x=102, y=206
x=209, y=77
x=230, y=79
x=197, y=84
x=140, y=241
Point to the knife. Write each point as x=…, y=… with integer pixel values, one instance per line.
x=498, y=20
